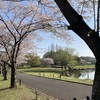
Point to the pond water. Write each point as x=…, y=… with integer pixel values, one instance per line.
x=82, y=74
x=87, y=74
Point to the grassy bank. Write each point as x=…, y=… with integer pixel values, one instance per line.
x=18, y=93
x=54, y=73
x=64, y=78
x=40, y=69
x=47, y=69
x=85, y=66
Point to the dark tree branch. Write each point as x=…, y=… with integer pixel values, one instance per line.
x=78, y=25
x=6, y=48
x=8, y=28
x=6, y=63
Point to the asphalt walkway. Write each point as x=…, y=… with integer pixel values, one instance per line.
x=59, y=89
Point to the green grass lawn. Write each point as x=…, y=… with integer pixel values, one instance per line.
x=85, y=66
x=18, y=93
x=39, y=69
x=64, y=78
x=55, y=73
x=48, y=69
x=57, y=76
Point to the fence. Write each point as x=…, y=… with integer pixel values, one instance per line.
x=57, y=76
x=42, y=95
x=49, y=75
x=37, y=94
x=47, y=97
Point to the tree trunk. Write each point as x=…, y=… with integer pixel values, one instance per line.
x=96, y=83
x=5, y=75
x=5, y=71
x=91, y=38
x=66, y=66
x=62, y=65
x=13, y=76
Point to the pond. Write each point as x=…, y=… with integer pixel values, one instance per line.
x=82, y=74
x=87, y=74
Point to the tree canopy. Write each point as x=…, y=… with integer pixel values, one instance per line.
x=74, y=15
x=33, y=60
x=63, y=57
x=19, y=23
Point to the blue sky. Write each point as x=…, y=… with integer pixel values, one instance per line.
x=78, y=44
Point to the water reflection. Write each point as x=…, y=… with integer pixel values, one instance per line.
x=87, y=74
x=81, y=74
x=75, y=73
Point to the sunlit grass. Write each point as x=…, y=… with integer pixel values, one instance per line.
x=40, y=69
x=64, y=78
x=18, y=93
x=85, y=66
x=55, y=73
x=48, y=69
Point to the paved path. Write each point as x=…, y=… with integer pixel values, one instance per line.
x=59, y=89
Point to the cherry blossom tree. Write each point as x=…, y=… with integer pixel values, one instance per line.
x=4, y=66
x=21, y=20
x=17, y=22
x=74, y=14
x=47, y=61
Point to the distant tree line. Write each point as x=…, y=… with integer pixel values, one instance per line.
x=62, y=57
x=87, y=60
x=57, y=56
